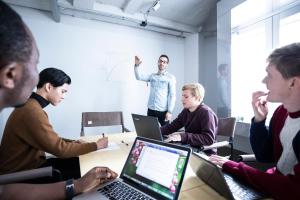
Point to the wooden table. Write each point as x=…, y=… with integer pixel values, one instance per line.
x=192, y=187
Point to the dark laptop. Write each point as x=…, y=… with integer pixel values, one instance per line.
x=223, y=183
x=147, y=126
x=153, y=170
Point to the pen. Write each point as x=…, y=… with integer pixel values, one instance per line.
x=124, y=143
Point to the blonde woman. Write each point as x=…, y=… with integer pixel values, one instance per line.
x=199, y=121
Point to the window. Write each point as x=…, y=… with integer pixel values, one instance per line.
x=289, y=29
x=255, y=30
x=246, y=72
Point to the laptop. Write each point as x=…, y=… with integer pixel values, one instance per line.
x=147, y=126
x=153, y=170
x=223, y=183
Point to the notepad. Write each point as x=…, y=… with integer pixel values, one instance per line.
x=111, y=146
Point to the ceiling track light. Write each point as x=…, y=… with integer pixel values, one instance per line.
x=155, y=6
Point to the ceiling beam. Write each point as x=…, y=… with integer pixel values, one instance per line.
x=113, y=14
x=55, y=10
x=132, y=6
x=86, y=4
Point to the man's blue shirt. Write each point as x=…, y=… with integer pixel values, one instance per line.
x=162, y=90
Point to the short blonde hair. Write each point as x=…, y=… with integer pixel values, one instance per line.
x=196, y=89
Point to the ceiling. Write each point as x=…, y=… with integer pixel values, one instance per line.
x=175, y=17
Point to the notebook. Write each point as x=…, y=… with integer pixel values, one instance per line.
x=153, y=170
x=223, y=183
x=147, y=126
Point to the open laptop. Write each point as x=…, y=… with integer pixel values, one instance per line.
x=153, y=170
x=220, y=181
x=147, y=126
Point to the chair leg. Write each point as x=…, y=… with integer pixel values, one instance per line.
x=231, y=152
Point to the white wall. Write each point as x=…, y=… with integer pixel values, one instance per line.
x=208, y=60
x=191, y=58
x=99, y=57
x=208, y=72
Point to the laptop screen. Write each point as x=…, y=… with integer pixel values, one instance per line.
x=157, y=166
x=147, y=126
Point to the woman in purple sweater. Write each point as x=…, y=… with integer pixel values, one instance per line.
x=281, y=142
x=199, y=121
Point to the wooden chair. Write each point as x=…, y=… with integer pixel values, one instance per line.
x=226, y=128
x=94, y=119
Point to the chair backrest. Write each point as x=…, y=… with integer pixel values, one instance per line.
x=226, y=127
x=94, y=119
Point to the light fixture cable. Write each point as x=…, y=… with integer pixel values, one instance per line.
x=155, y=6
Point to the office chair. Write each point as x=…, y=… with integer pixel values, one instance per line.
x=31, y=175
x=94, y=119
x=226, y=128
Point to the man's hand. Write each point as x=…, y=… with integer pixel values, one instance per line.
x=102, y=143
x=259, y=105
x=218, y=160
x=174, y=137
x=137, y=60
x=93, y=178
x=168, y=116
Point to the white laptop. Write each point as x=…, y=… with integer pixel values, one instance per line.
x=153, y=170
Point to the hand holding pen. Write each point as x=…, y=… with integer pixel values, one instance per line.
x=102, y=142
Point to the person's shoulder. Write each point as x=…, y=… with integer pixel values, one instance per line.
x=205, y=108
x=32, y=106
x=171, y=76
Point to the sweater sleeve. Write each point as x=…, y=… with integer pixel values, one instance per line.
x=40, y=134
x=205, y=134
x=261, y=141
x=174, y=126
x=271, y=183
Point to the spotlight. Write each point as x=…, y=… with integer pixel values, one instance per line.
x=156, y=5
x=144, y=23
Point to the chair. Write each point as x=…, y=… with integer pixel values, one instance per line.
x=94, y=119
x=27, y=175
x=226, y=128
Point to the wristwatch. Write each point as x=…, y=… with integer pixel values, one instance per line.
x=69, y=189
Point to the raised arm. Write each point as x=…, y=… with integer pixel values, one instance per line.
x=260, y=136
x=206, y=133
x=138, y=75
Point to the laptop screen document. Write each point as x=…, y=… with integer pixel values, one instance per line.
x=157, y=167
x=153, y=170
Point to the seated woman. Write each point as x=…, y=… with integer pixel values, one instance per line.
x=28, y=133
x=199, y=121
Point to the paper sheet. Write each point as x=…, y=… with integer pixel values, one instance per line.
x=110, y=146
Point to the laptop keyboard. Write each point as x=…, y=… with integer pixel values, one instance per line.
x=240, y=192
x=119, y=191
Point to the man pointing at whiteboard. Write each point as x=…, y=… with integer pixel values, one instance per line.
x=162, y=89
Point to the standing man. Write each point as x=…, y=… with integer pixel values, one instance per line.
x=18, y=76
x=162, y=89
